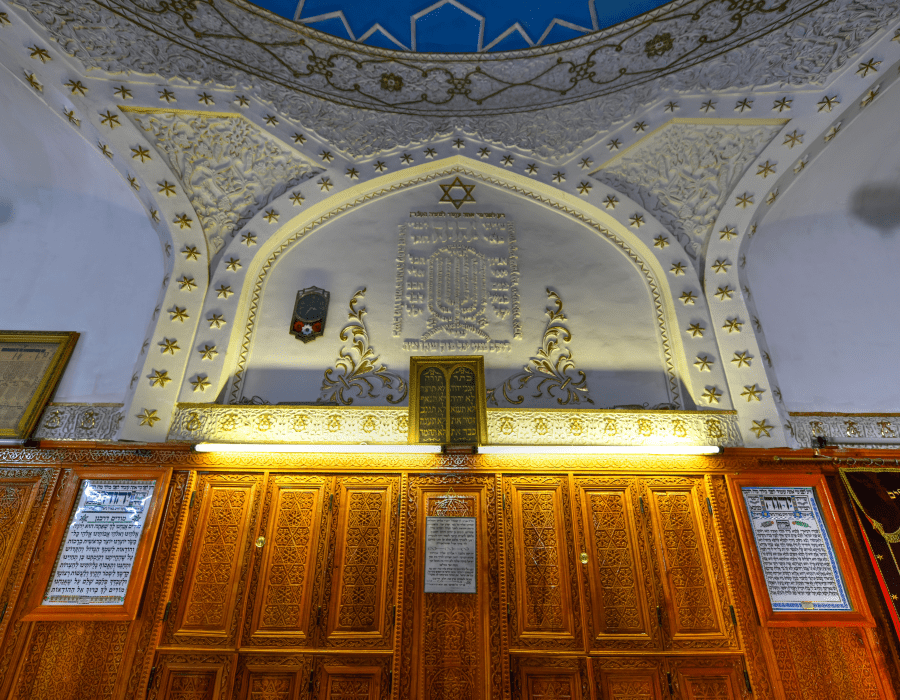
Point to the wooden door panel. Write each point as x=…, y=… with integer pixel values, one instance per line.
x=286, y=575
x=630, y=678
x=191, y=676
x=272, y=677
x=350, y=683
x=359, y=590
x=543, y=678
x=211, y=577
x=706, y=679
x=689, y=566
x=543, y=591
x=618, y=588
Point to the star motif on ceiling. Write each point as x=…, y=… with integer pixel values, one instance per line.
x=870, y=65
x=757, y=324
x=743, y=104
x=167, y=95
x=203, y=98
x=833, y=132
x=724, y=293
x=406, y=158
x=183, y=221
x=640, y=126
x=703, y=362
x=216, y=320
x=169, y=345
x=696, y=330
x=484, y=152
x=614, y=144
x=586, y=163
x=721, y=266
x=155, y=216
x=761, y=427
x=870, y=96
x=142, y=153
x=159, y=378
x=271, y=215
x=326, y=156
x=688, y=298
x=200, y=383
x=271, y=120
x=742, y=359
x=610, y=202
x=325, y=184
x=733, y=325
x=459, y=143
x=744, y=200
x=773, y=195
x=709, y=106
x=178, y=314
x=671, y=107
x=463, y=198
x=208, y=352
x=297, y=199
x=39, y=54
x=677, y=269
x=507, y=161
x=241, y=101
x=637, y=220
x=896, y=35
x=191, y=253
x=352, y=173
x=827, y=103
x=123, y=92
x=248, y=239
x=765, y=169
x=792, y=139
x=584, y=188
x=104, y=149
x=167, y=188
x=148, y=417
x=33, y=81
x=76, y=86
x=430, y=153
x=134, y=183
x=232, y=264
x=727, y=233
x=800, y=165
x=559, y=176
x=660, y=241
x=4, y=19
x=531, y=168
x=187, y=283
x=223, y=291
x=379, y=166
x=782, y=104
x=752, y=392
x=711, y=394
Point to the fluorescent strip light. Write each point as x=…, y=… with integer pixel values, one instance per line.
x=600, y=449
x=320, y=449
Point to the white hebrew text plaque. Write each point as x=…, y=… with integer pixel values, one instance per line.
x=450, y=558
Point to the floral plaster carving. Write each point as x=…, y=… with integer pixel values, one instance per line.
x=609, y=74
x=80, y=421
x=229, y=169
x=684, y=172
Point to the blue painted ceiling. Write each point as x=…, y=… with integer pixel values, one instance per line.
x=457, y=26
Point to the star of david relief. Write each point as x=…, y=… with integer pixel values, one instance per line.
x=460, y=198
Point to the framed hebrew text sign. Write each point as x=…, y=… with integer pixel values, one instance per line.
x=447, y=400
x=31, y=365
x=450, y=555
x=801, y=566
x=102, y=549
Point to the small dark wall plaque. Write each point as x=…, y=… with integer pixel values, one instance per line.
x=447, y=400
x=310, y=310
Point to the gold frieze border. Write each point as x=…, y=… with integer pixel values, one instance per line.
x=223, y=423
x=305, y=223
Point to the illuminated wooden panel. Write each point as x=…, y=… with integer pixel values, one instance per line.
x=217, y=555
x=272, y=677
x=360, y=584
x=691, y=572
x=548, y=678
x=630, y=678
x=282, y=592
x=190, y=685
x=192, y=676
x=540, y=559
x=350, y=683
x=618, y=585
x=708, y=679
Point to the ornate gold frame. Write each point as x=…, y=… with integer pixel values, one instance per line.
x=446, y=364
x=65, y=345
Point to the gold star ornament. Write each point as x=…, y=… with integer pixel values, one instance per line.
x=761, y=427
x=460, y=197
x=208, y=352
x=38, y=53
x=169, y=345
x=742, y=359
x=732, y=325
x=702, y=364
x=271, y=215
x=142, y=153
x=191, y=253
x=752, y=392
x=677, y=269
x=178, y=314
x=200, y=382
x=660, y=241
x=216, y=320
x=712, y=394
x=695, y=329
x=688, y=298
x=610, y=202
x=148, y=417
x=159, y=378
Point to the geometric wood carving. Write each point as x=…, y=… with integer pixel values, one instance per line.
x=707, y=679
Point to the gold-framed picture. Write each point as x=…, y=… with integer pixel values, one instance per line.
x=31, y=365
x=447, y=400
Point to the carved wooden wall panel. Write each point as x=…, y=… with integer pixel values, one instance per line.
x=630, y=678
x=543, y=596
x=549, y=678
x=452, y=639
x=696, y=614
x=359, y=586
x=707, y=679
x=352, y=677
x=619, y=587
x=272, y=677
x=212, y=575
x=287, y=573
x=192, y=676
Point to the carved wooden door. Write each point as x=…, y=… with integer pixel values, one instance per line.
x=695, y=678
x=549, y=678
x=631, y=678
x=687, y=565
x=619, y=591
x=286, y=580
x=352, y=678
x=357, y=606
x=273, y=677
x=212, y=575
x=451, y=642
x=183, y=675
x=543, y=582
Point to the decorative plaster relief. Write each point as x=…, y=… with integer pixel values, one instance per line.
x=835, y=427
x=293, y=68
x=229, y=168
x=79, y=421
x=552, y=369
x=684, y=171
x=315, y=424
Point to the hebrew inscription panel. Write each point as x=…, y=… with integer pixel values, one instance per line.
x=795, y=551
